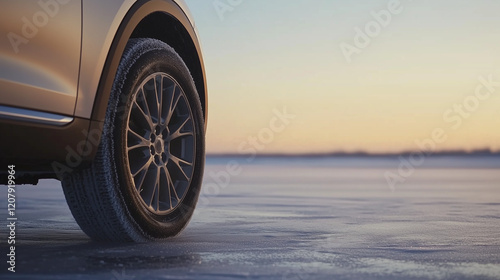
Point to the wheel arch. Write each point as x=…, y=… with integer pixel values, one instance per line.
x=142, y=21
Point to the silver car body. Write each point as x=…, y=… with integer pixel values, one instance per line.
x=58, y=59
x=41, y=57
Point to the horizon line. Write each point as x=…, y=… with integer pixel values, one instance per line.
x=479, y=152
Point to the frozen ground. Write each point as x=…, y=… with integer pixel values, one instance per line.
x=288, y=219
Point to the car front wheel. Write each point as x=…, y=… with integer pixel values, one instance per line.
x=146, y=178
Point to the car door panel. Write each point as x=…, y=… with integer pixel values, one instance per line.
x=40, y=54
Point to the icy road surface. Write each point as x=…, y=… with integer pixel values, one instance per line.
x=287, y=219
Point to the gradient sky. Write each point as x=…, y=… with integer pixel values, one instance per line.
x=265, y=55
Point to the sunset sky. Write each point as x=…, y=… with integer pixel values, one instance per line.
x=425, y=65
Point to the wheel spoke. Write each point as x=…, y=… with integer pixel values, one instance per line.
x=138, y=185
x=157, y=193
x=177, y=133
x=146, y=111
x=155, y=188
x=138, y=146
x=178, y=163
x=171, y=188
x=145, y=166
x=137, y=135
x=151, y=101
x=173, y=104
x=167, y=188
x=143, y=143
x=142, y=114
x=167, y=92
x=158, y=96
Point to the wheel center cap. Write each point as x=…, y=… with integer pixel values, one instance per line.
x=159, y=146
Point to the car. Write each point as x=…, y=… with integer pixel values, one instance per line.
x=110, y=98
